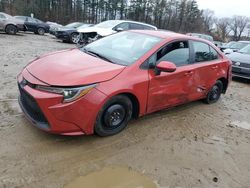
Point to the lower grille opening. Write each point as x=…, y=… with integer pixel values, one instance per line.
x=31, y=107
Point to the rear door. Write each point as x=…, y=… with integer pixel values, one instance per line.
x=171, y=89
x=208, y=66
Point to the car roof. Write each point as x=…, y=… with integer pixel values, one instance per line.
x=130, y=21
x=170, y=35
x=162, y=34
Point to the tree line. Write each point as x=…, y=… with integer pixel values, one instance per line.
x=176, y=15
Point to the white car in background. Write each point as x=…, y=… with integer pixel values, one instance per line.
x=109, y=27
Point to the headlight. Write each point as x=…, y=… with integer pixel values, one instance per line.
x=69, y=94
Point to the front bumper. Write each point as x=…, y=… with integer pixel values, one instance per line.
x=241, y=72
x=62, y=36
x=47, y=112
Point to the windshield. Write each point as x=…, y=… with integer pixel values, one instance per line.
x=84, y=26
x=108, y=24
x=245, y=50
x=123, y=48
x=73, y=25
x=238, y=45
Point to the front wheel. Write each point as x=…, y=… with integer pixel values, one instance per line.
x=75, y=38
x=11, y=29
x=214, y=94
x=114, y=116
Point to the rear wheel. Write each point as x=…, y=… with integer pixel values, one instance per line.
x=114, y=116
x=40, y=31
x=214, y=94
x=11, y=29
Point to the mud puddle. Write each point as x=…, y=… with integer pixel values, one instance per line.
x=240, y=124
x=113, y=177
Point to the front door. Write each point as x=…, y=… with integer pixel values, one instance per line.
x=170, y=89
x=31, y=24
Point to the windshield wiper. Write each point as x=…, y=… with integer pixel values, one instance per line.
x=95, y=54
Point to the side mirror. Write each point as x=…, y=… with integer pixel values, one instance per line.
x=119, y=29
x=166, y=66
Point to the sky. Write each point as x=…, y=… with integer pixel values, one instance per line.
x=226, y=8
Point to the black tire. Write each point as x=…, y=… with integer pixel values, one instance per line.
x=75, y=38
x=215, y=92
x=11, y=29
x=40, y=31
x=114, y=116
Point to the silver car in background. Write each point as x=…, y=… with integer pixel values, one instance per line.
x=241, y=63
x=11, y=25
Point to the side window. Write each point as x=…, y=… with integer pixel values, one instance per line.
x=31, y=20
x=136, y=26
x=124, y=26
x=176, y=52
x=203, y=52
x=21, y=18
x=148, y=27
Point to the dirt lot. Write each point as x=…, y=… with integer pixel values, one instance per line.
x=194, y=145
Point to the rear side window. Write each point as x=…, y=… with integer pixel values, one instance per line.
x=124, y=26
x=148, y=27
x=203, y=52
x=214, y=54
x=31, y=20
x=136, y=26
x=176, y=52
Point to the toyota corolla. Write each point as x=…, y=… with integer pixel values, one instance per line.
x=100, y=87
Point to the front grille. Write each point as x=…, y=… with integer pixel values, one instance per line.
x=245, y=65
x=31, y=107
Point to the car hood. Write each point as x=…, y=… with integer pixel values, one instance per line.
x=239, y=57
x=66, y=29
x=72, y=68
x=98, y=30
x=17, y=21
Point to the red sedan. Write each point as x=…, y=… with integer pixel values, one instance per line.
x=100, y=87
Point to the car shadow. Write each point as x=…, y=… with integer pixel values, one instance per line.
x=18, y=34
x=241, y=80
x=132, y=127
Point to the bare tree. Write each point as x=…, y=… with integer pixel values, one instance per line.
x=223, y=28
x=208, y=20
x=238, y=25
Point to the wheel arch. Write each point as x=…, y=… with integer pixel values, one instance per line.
x=9, y=24
x=134, y=100
x=225, y=84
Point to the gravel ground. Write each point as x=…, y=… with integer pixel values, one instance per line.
x=193, y=145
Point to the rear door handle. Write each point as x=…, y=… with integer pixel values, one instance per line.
x=189, y=73
x=215, y=67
